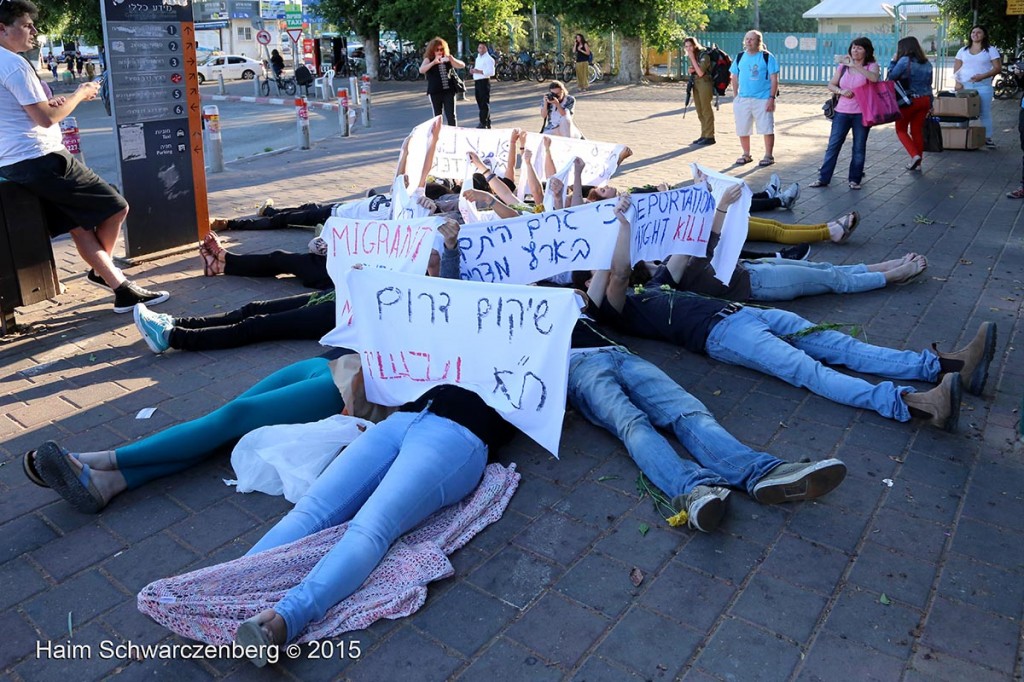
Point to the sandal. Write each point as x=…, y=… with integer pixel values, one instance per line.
x=744, y=159
x=768, y=160
x=209, y=261
x=922, y=264
x=849, y=223
x=1016, y=194
x=854, y=185
x=28, y=465
x=818, y=183
x=77, y=488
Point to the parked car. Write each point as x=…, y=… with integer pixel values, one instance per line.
x=233, y=66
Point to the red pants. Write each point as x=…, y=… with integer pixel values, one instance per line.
x=910, y=125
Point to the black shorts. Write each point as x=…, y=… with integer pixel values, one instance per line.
x=71, y=194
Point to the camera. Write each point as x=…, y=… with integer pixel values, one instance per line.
x=551, y=97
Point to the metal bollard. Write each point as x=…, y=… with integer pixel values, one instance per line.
x=343, y=112
x=70, y=138
x=220, y=80
x=353, y=87
x=256, y=86
x=364, y=91
x=214, y=145
x=302, y=122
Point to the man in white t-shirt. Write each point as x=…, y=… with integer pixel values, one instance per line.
x=75, y=200
x=483, y=71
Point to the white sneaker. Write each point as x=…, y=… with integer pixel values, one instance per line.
x=774, y=186
x=789, y=195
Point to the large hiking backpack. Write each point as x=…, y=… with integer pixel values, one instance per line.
x=720, y=63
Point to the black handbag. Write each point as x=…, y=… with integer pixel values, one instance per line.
x=932, y=135
x=903, y=98
x=828, y=109
x=456, y=81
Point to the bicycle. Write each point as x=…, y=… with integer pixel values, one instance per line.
x=285, y=83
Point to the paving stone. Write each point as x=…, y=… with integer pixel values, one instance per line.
x=923, y=501
x=213, y=527
x=619, y=472
x=200, y=487
x=156, y=557
x=20, y=581
x=23, y=500
x=557, y=537
x=929, y=665
x=501, y=532
x=138, y=519
x=559, y=630
x=987, y=587
x=465, y=560
x=157, y=669
x=83, y=596
x=535, y=496
x=569, y=469
x=406, y=655
x=820, y=523
x=860, y=616
x=996, y=505
x=506, y=659
x=647, y=551
x=893, y=574
x=595, y=504
x=465, y=618
x=649, y=644
x=831, y=654
x=19, y=638
x=601, y=583
x=757, y=523
x=990, y=544
x=81, y=548
x=935, y=471
x=130, y=625
x=806, y=563
x=781, y=607
x=515, y=576
x=598, y=670
x=990, y=639
x=857, y=493
x=721, y=555
x=83, y=663
x=687, y=596
x=735, y=646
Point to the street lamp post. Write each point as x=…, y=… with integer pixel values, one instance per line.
x=458, y=28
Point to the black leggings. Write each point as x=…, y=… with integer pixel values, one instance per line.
x=310, y=268
x=292, y=317
x=308, y=215
x=761, y=202
x=444, y=100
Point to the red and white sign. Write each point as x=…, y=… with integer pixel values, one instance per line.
x=263, y=37
x=294, y=34
x=69, y=135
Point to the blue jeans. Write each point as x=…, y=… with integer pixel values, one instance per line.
x=629, y=396
x=779, y=279
x=754, y=338
x=841, y=125
x=386, y=482
x=985, y=93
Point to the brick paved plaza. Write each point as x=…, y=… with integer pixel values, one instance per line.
x=922, y=579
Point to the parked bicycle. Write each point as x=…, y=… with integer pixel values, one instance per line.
x=284, y=84
x=1010, y=82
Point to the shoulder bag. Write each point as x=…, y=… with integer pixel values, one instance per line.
x=829, y=107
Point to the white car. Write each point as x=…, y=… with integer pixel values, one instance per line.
x=231, y=65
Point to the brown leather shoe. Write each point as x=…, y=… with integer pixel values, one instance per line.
x=972, y=360
x=940, y=406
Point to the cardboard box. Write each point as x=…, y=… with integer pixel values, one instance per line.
x=965, y=104
x=963, y=138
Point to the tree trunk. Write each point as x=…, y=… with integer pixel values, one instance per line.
x=371, y=48
x=630, y=71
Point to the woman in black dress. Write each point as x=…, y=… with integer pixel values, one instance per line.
x=438, y=64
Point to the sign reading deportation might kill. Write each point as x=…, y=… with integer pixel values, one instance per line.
x=154, y=95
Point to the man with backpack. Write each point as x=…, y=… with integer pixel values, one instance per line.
x=755, y=84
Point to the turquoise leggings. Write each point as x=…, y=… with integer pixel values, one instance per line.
x=296, y=394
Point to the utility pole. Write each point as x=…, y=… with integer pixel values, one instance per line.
x=757, y=14
x=458, y=28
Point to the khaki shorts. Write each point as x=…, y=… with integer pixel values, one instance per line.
x=750, y=111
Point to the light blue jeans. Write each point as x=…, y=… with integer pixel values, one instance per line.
x=386, y=482
x=985, y=93
x=629, y=397
x=753, y=338
x=779, y=279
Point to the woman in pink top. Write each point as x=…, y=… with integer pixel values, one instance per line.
x=854, y=70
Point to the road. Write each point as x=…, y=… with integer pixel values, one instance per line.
x=247, y=129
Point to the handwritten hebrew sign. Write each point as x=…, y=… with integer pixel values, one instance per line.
x=530, y=248
x=395, y=245
x=508, y=344
x=492, y=146
x=601, y=158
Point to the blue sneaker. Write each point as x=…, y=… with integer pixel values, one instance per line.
x=154, y=327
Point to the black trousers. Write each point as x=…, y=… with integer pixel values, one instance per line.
x=308, y=215
x=482, y=92
x=292, y=317
x=444, y=101
x=310, y=268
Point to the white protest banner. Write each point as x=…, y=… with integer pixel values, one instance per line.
x=508, y=344
x=397, y=245
x=530, y=248
x=405, y=206
x=737, y=220
x=553, y=198
x=470, y=213
x=491, y=145
x=674, y=222
x=601, y=158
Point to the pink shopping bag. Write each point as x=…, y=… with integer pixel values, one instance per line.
x=877, y=102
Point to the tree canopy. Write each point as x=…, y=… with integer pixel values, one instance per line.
x=777, y=16
x=658, y=22
x=1002, y=30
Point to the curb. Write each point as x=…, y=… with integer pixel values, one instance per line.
x=278, y=101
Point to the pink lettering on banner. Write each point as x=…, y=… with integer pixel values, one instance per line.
x=685, y=228
x=373, y=238
x=412, y=365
